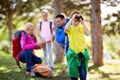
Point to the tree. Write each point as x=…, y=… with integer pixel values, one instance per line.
x=97, y=46
x=10, y=7
x=59, y=52
x=112, y=25
x=82, y=5
x=8, y=12
x=58, y=6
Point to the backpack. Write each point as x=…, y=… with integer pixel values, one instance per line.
x=42, y=69
x=16, y=45
x=50, y=29
x=49, y=26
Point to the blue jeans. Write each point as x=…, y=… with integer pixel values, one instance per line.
x=30, y=59
x=48, y=51
x=82, y=71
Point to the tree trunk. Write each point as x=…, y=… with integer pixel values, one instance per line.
x=97, y=45
x=59, y=52
x=58, y=7
x=9, y=24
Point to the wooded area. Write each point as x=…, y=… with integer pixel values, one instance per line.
x=102, y=16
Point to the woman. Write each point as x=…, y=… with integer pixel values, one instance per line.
x=28, y=42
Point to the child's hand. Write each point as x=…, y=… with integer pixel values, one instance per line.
x=42, y=39
x=41, y=44
x=82, y=21
x=75, y=15
x=49, y=41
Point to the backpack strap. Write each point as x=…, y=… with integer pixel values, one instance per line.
x=49, y=26
x=18, y=63
x=40, y=24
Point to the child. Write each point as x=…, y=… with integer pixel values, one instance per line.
x=77, y=55
x=45, y=31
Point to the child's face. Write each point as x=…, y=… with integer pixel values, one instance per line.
x=44, y=15
x=76, y=21
x=30, y=30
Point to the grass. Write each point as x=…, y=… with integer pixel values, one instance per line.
x=109, y=71
x=9, y=71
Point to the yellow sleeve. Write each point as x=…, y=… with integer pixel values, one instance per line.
x=69, y=30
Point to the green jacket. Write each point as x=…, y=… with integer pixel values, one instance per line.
x=74, y=61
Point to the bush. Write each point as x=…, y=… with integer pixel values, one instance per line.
x=111, y=45
x=5, y=46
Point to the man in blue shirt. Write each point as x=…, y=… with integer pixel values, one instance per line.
x=61, y=36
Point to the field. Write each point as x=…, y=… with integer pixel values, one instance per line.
x=9, y=71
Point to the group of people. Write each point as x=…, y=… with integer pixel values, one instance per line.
x=68, y=32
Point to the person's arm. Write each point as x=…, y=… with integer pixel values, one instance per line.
x=69, y=22
x=53, y=26
x=24, y=45
x=60, y=37
x=35, y=41
x=87, y=32
x=38, y=29
x=53, y=31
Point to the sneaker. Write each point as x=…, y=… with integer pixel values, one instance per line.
x=31, y=74
x=52, y=70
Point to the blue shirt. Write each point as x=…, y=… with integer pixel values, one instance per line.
x=60, y=37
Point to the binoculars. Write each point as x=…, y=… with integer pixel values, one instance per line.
x=78, y=17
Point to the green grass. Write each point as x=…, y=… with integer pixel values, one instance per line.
x=109, y=71
x=9, y=71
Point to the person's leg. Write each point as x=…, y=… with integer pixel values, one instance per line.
x=37, y=60
x=22, y=57
x=82, y=70
x=50, y=52
x=26, y=56
x=45, y=54
x=74, y=78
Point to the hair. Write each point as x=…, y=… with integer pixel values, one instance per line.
x=28, y=25
x=44, y=11
x=74, y=12
x=61, y=15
